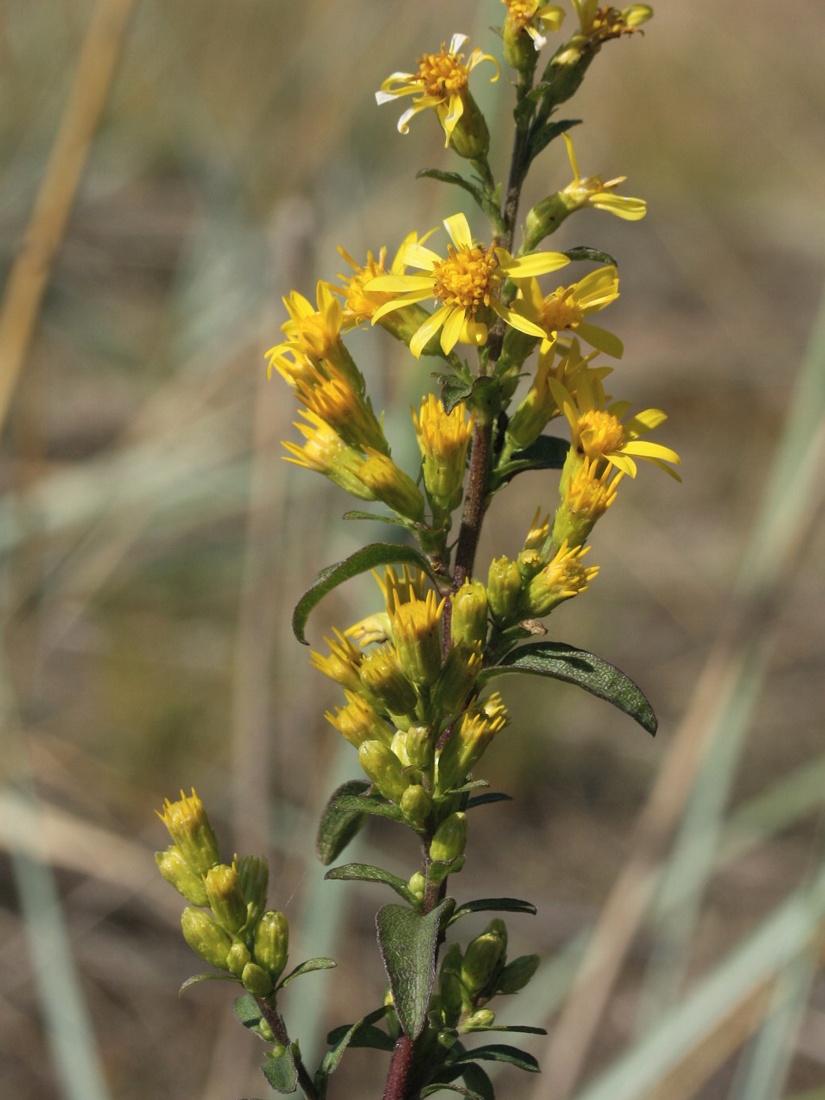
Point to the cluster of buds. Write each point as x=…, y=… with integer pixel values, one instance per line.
x=226, y=922
x=468, y=980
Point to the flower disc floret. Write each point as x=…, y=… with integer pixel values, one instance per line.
x=466, y=287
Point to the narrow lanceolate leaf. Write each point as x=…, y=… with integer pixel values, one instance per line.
x=368, y=557
x=367, y=872
x=501, y=1052
x=338, y=825
x=363, y=804
x=209, y=976
x=550, y=131
x=583, y=252
x=362, y=1033
x=576, y=666
x=548, y=452
x=407, y=941
x=308, y=967
x=494, y=905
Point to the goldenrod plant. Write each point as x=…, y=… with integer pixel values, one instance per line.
x=510, y=352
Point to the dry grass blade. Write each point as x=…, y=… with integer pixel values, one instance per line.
x=30, y=273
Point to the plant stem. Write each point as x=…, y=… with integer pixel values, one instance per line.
x=275, y=1021
x=400, y=1069
x=475, y=501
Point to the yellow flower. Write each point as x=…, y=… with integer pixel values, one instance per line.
x=360, y=303
x=343, y=664
x=561, y=579
x=416, y=634
x=532, y=17
x=598, y=432
x=567, y=307
x=601, y=23
x=588, y=488
x=329, y=395
x=443, y=439
x=326, y=453
x=467, y=284
x=440, y=83
x=591, y=191
x=312, y=335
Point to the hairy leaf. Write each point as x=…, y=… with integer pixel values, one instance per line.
x=501, y=1052
x=338, y=825
x=548, y=452
x=407, y=941
x=366, y=805
x=495, y=905
x=583, y=252
x=367, y=872
x=549, y=132
x=208, y=976
x=576, y=666
x=280, y=1071
x=309, y=966
x=368, y=557
x=360, y=1034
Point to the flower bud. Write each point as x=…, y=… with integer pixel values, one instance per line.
x=479, y=1021
x=483, y=960
x=384, y=769
x=468, y=741
x=456, y=679
x=416, y=631
x=469, y=614
x=450, y=987
x=504, y=590
x=447, y=847
x=206, y=938
x=414, y=747
x=238, y=957
x=272, y=942
x=563, y=578
x=416, y=805
x=255, y=980
x=253, y=872
x=226, y=900
x=417, y=885
x=516, y=974
x=358, y=722
x=390, y=484
x=383, y=677
x=179, y=874
x=191, y=832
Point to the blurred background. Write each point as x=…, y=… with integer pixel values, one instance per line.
x=154, y=544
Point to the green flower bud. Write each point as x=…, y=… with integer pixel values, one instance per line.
x=238, y=957
x=504, y=590
x=383, y=677
x=469, y=614
x=256, y=980
x=272, y=942
x=206, y=938
x=226, y=900
x=191, y=832
x=390, y=484
x=253, y=872
x=479, y=1021
x=450, y=986
x=414, y=747
x=384, y=769
x=447, y=847
x=484, y=959
x=179, y=874
x=416, y=805
x=417, y=885
x=518, y=973
x=457, y=679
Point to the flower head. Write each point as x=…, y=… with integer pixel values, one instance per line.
x=602, y=23
x=567, y=307
x=591, y=191
x=440, y=82
x=312, y=335
x=598, y=432
x=532, y=17
x=443, y=439
x=359, y=303
x=559, y=580
x=467, y=284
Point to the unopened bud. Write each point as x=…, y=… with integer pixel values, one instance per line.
x=483, y=960
x=384, y=769
x=456, y=679
x=468, y=623
x=383, y=677
x=416, y=805
x=504, y=590
x=272, y=942
x=206, y=938
x=256, y=980
x=226, y=900
x=253, y=872
x=238, y=957
x=179, y=874
x=447, y=847
x=480, y=1020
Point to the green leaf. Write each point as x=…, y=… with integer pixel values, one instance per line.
x=308, y=967
x=360, y=1034
x=279, y=1070
x=247, y=1011
x=454, y=390
x=501, y=1052
x=338, y=826
x=440, y=1086
x=209, y=976
x=367, y=872
x=520, y=1029
x=477, y=1081
x=378, y=517
x=495, y=905
x=548, y=452
x=408, y=941
x=594, y=254
x=486, y=799
x=576, y=666
x=549, y=131
x=454, y=178
x=366, y=805
x=368, y=557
